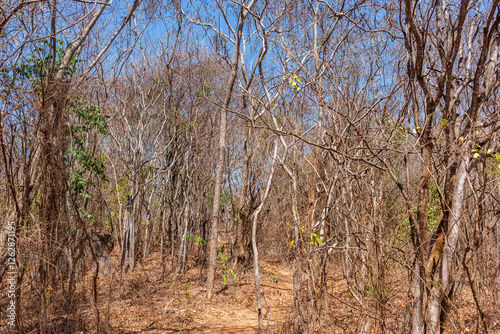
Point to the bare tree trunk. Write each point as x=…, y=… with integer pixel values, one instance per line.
x=242, y=210
x=172, y=239
x=162, y=244
x=128, y=240
x=181, y=256
x=439, y=292
x=254, y=236
x=497, y=261
x=131, y=226
x=149, y=229
x=418, y=237
x=222, y=148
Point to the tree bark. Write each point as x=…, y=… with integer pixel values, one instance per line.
x=222, y=149
x=440, y=289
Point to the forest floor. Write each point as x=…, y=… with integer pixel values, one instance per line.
x=178, y=304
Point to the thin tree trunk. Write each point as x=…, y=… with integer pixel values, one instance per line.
x=181, y=258
x=254, y=237
x=222, y=150
x=162, y=238
x=242, y=211
x=172, y=239
x=131, y=229
x=149, y=230
x=497, y=262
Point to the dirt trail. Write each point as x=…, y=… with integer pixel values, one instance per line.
x=179, y=305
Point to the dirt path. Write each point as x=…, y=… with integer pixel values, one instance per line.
x=179, y=304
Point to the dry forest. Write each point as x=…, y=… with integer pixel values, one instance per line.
x=250, y=166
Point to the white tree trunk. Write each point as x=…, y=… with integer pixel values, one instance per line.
x=440, y=289
x=254, y=236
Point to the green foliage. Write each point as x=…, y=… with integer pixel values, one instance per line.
x=196, y=239
x=489, y=155
x=224, y=258
x=316, y=238
x=190, y=125
x=494, y=158
x=174, y=280
x=106, y=224
x=41, y=62
x=85, y=161
x=403, y=231
x=226, y=198
x=444, y=123
x=294, y=81
x=203, y=92
x=434, y=209
x=274, y=277
x=221, y=254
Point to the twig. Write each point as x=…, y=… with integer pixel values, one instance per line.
x=269, y=311
x=154, y=320
x=149, y=325
x=166, y=306
x=474, y=292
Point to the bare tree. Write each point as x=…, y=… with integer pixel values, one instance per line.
x=452, y=58
x=244, y=9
